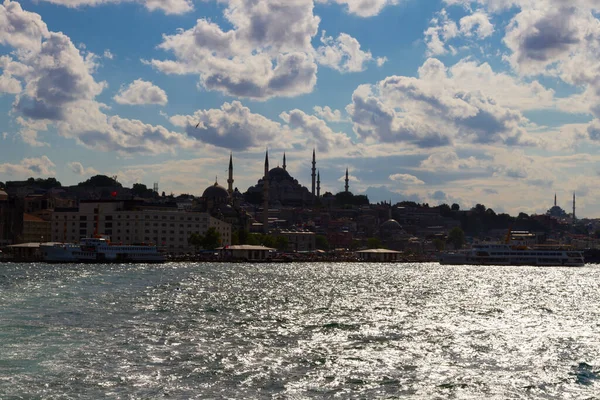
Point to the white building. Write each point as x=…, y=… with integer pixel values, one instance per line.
x=132, y=222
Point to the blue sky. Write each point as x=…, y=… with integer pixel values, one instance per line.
x=466, y=101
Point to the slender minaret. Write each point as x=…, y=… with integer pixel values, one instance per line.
x=573, y=207
x=314, y=173
x=284, y=161
x=346, y=186
x=230, y=180
x=554, y=199
x=266, y=194
x=318, y=183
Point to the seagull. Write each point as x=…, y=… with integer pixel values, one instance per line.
x=197, y=124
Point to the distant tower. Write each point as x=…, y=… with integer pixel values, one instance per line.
x=318, y=184
x=266, y=194
x=155, y=187
x=230, y=180
x=284, y=161
x=573, y=207
x=346, y=186
x=314, y=173
x=554, y=199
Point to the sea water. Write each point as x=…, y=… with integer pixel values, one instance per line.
x=296, y=331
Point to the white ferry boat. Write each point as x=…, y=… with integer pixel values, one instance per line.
x=100, y=250
x=507, y=254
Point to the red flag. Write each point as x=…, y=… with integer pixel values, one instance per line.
x=114, y=194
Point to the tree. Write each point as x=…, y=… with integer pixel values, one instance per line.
x=243, y=236
x=212, y=239
x=321, y=242
x=281, y=243
x=373, y=243
x=456, y=237
x=196, y=240
x=439, y=244
x=479, y=209
x=139, y=189
x=235, y=237
x=455, y=207
x=100, y=180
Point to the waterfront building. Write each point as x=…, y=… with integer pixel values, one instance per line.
x=35, y=229
x=131, y=222
x=299, y=240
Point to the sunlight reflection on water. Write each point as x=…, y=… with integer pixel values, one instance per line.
x=298, y=330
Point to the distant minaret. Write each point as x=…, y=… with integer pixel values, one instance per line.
x=318, y=183
x=554, y=199
x=573, y=207
x=314, y=173
x=266, y=194
x=346, y=180
x=284, y=161
x=230, y=180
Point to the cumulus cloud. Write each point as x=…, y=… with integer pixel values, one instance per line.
x=449, y=161
x=141, y=92
x=77, y=168
x=343, y=54
x=108, y=54
x=431, y=111
x=317, y=130
x=362, y=8
x=267, y=53
x=59, y=89
x=406, y=179
x=41, y=166
x=442, y=29
x=232, y=126
x=167, y=6
x=328, y=114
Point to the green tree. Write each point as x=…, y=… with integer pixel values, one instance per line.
x=243, y=236
x=321, y=242
x=439, y=244
x=235, y=237
x=253, y=239
x=196, y=240
x=100, y=180
x=456, y=237
x=373, y=243
x=281, y=243
x=212, y=239
x=267, y=240
x=455, y=207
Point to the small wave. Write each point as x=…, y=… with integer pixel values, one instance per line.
x=584, y=374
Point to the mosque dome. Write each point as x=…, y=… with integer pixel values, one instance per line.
x=391, y=225
x=215, y=191
x=279, y=174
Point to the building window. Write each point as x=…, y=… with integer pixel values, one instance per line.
x=109, y=217
x=82, y=218
x=82, y=224
x=108, y=224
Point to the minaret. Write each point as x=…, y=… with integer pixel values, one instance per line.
x=266, y=194
x=284, y=161
x=554, y=199
x=573, y=206
x=230, y=180
x=318, y=184
x=346, y=180
x=314, y=173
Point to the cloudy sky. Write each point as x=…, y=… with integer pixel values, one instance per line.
x=439, y=101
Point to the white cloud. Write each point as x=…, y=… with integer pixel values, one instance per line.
x=479, y=20
x=433, y=110
x=108, y=54
x=316, y=131
x=344, y=54
x=141, y=92
x=362, y=8
x=406, y=179
x=41, y=166
x=328, y=114
x=449, y=161
x=167, y=6
x=21, y=29
x=77, y=168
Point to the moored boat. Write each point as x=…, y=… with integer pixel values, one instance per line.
x=100, y=250
x=506, y=254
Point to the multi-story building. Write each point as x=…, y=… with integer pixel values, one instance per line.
x=132, y=222
x=299, y=240
x=35, y=229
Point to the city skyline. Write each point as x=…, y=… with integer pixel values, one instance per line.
x=452, y=101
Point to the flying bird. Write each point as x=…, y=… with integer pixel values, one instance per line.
x=197, y=124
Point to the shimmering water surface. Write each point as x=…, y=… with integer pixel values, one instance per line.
x=294, y=331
